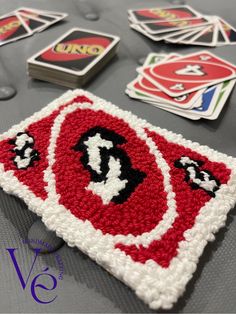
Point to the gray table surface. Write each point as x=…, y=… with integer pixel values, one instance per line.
x=86, y=287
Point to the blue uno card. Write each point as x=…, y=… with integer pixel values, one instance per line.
x=206, y=99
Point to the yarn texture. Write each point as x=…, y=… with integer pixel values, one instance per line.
x=141, y=201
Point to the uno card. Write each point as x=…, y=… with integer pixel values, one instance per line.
x=189, y=73
x=165, y=13
x=34, y=23
x=229, y=32
x=176, y=37
x=76, y=52
x=51, y=13
x=136, y=95
x=160, y=37
x=213, y=101
x=221, y=39
x=39, y=14
x=207, y=37
x=163, y=26
x=146, y=89
x=154, y=58
x=42, y=16
x=183, y=113
x=177, y=34
x=209, y=99
x=226, y=89
x=12, y=28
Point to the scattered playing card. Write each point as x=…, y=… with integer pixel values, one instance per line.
x=207, y=37
x=189, y=73
x=49, y=18
x=229, y=32
x=205, y=102
x=73, y=58
x=24, y=22
x=162, y=27
x=35, y=24
x=12, y=28
x=182, y=25
x=161, y=14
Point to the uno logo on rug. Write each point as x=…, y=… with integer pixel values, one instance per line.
x=8, y=27
x=77, y=49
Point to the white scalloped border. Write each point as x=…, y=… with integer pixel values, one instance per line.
x=158, y=287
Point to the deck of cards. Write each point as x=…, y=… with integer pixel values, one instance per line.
x=182, y=25
x=193, y=86
x=25, y=22
x=74, y=58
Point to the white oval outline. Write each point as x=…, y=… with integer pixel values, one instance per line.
x=134, y=123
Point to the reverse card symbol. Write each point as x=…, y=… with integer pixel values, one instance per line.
x=204, y=58
x=25, y=154
x=197, y=178
x=177, y=86
x=112, y=175
x=191, y=70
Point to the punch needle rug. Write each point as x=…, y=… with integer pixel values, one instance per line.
x=141, y=201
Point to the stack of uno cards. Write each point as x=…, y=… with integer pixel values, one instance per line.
x=73, y=59
x=193, y=86
x=24, y=22
x=182, y=25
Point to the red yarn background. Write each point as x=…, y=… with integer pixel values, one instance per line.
x=145, y=207
x=32, y=177
x=189, y=202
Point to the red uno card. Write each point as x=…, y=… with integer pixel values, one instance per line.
x=33, y=23
x=165, y=13
x=190, y=73
x=163, y=26
x=37, y=14
x=229, y=32
x=12, y=27
x=207, y=37
x=146, y=87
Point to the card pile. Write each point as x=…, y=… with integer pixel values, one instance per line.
x=182, y=25
x=193, y=86
x=24, y=22
x=73, y=59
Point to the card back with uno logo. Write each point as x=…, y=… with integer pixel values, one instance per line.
x=76, y=51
